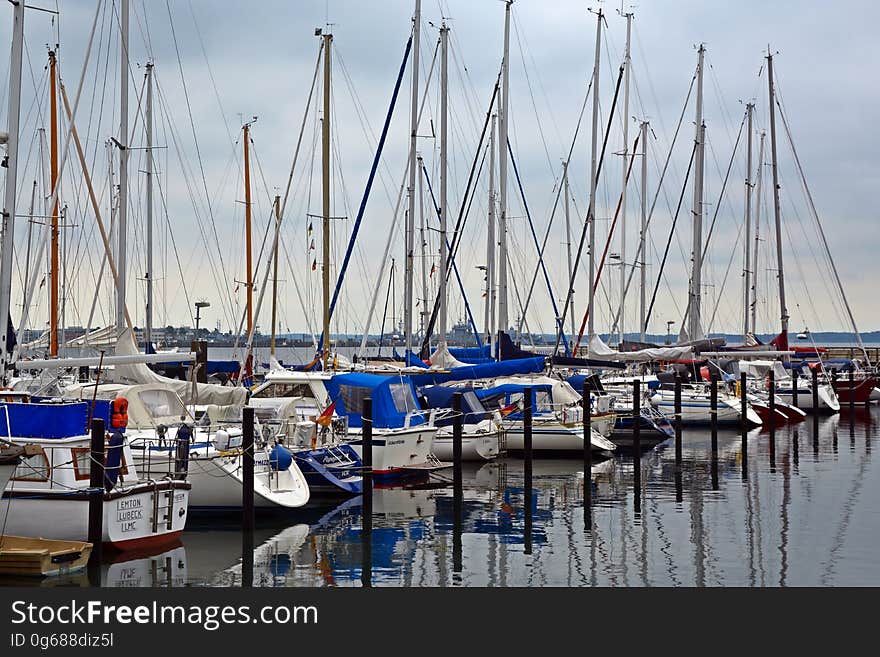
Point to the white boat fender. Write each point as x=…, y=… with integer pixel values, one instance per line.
x=221, y=440
x=280, y=458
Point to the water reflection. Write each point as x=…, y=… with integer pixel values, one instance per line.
x=792, y=511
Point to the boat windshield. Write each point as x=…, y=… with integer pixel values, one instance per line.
x=162, y=403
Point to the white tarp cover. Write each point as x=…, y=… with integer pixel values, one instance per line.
x=205, y=393
x=442, y=359
x=563, y=393
x=758, y=369
x=598, y=349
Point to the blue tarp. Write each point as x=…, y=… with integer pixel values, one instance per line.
x=533, y=365
x=38, y=420
x=392, y=396
x=414, y=361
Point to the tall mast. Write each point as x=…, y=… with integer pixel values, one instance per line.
x=12, y=139
x=444, y=100
x=53, y=181
x=568, y=231
x=591, y=214
x=503, y=319
x=747, y=268
x=626, y=63
x=783, y=310
x=249, y=272
x=148, y=118
x=275, y=272
x=422, y=237
x=123, y=168
x=760, y=176
x=325, y=187
x=411, y=214
x=490, y=243
x=642, y=234
x=694, y=330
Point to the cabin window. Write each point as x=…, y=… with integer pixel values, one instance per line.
x=543, y=401
x=162, y=403
x=82, y=463
x=34, y=468
x=403, y=398
x=353, y=397
x=473, y=402
x=278, y=389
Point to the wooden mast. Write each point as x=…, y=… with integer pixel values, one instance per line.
x=325, y=162
x=53, y=173
x=249, y=286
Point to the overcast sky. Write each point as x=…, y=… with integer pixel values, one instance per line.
x=241, y=60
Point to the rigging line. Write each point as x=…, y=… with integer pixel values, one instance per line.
x=556, y=201
x=669, y=241
x=608, y=242
x=219, y=280
x=459, y=223
x=196, y=141
x=723, y=188
x=589, y=218
x=720, y=293
x=815, y=213
x=211, y=74
x=454, y=264
x=540, y=254
x=639, y=254
x=369, y=185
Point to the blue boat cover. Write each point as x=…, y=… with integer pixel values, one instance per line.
x=393, y=397
x=41, y=420
x=441, y=397
x=414, y=361
x=532, y=365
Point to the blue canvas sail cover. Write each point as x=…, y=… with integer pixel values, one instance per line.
x=441, y=397
x=510, y=351
x=533, y=365
x=393, y=397
x=414, y=361
x=46, y=421
x=471, y=355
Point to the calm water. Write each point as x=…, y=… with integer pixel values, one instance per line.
x=803, y=513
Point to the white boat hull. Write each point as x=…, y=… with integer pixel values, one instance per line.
x=480, y=442
x=134, y=517
x=697, y=409
x=395, y=450
x=556, y=437
x=828, y=400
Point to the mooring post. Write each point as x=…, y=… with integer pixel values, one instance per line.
x=457, y=424
x=247, y=497
x=815, y=373
x=96, y=493
x=586, y=402
x=367, y=506
x=794, y=387
x=713, y=415
x=677, y=421
x=852, y=388
x=637, y=445
x=527, y=454
x=744, y=422
x=772, y=404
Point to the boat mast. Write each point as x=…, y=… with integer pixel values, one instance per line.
x=325, y=186
x=411, y=191
x=148, y=118
x=643, y=235
x=760, y=176
x=694, y=330
x=53, y=181
x=503, y=318
x=747, y=269
x=12, y=139
x=566, y=192
x=249, y=273
x=425, y=312
x=123, y=168
x=783, y=310
x=444, y=101
x=591, y=214
x=626, y=63
x=490, y=244
x=275, y=272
